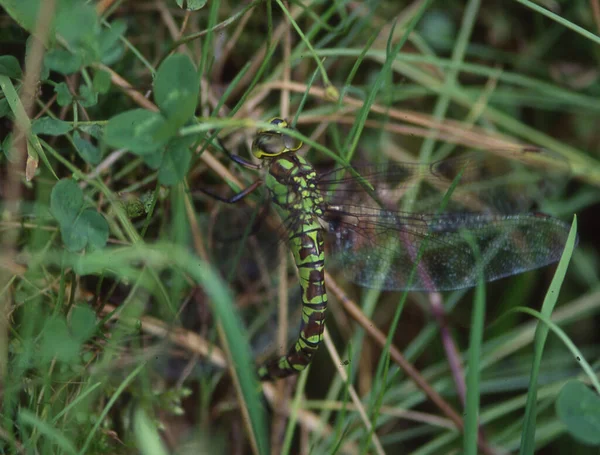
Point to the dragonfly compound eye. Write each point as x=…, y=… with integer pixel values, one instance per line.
x=270, y=143
x=280, y=122
x=267, y=145
x=291, y=143
x=277, y=122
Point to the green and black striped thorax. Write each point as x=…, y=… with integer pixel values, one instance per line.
x=290, y=180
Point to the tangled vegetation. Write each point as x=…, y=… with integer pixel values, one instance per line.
x=135, y=306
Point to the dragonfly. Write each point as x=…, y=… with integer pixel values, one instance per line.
x=375, y=244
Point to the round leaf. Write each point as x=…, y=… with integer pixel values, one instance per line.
x=191, y=5
x=578, y=408
x=63, y=95
x=109, y=38
x=176, y=162
x=101, y=81
x=62, y=61
x=88, y=151
x=24, y=12
x=134, y=130
x=74, y=236
x=77, y=22
x=89, y=97
x=176, y=88
x=9, y=66
x=155, y=159
x=83, y=323
x=95, y=228
x=57, y=342
x=66, y=200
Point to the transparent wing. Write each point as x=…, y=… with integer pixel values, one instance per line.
x=377, y=245
x=244, y=244
x=500, y=182
x=379, y=249
x=242, y=241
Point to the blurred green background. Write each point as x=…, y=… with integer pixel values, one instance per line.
x=131, y=326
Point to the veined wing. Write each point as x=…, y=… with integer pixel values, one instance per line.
x=379, y=249
x=505, y=182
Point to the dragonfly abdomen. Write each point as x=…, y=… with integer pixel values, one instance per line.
x=308, y=249
x=291, y=184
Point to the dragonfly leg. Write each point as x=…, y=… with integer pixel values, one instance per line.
x=238, y=159
x=236, y=197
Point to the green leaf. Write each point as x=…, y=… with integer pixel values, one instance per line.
x=88, y=151
x=191, y=5
x=58, y=342
x=4, y=107
x=95, y=228
x=50, y=126
x=28, y=418
x=88, y=96
x=101, y=82
x=89, y=229
x=73, y=236
x=109, y=43
x=7, y=146
x=63, y=95
x=176, y=88
x=83, y=323
x=26, y=292
x=154, y=160
x=9, y=66
x=111, y=56
x=66, y=199
x=176, y=162
x=578, y=408
x=93, y=129
x=134, y=130
x=438, y=28
x=169, y=129
x=147, y=437
x=24, y=12
x=62, y=61
x=77, y=22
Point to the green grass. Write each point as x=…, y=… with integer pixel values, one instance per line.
x=126, y=330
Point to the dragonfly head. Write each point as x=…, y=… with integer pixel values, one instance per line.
x=270, y=143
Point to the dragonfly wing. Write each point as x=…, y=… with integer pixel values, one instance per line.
x=379, y=249
x=241, y=242
x=502, y=181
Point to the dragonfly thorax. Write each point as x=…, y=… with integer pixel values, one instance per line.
x=291, y=182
